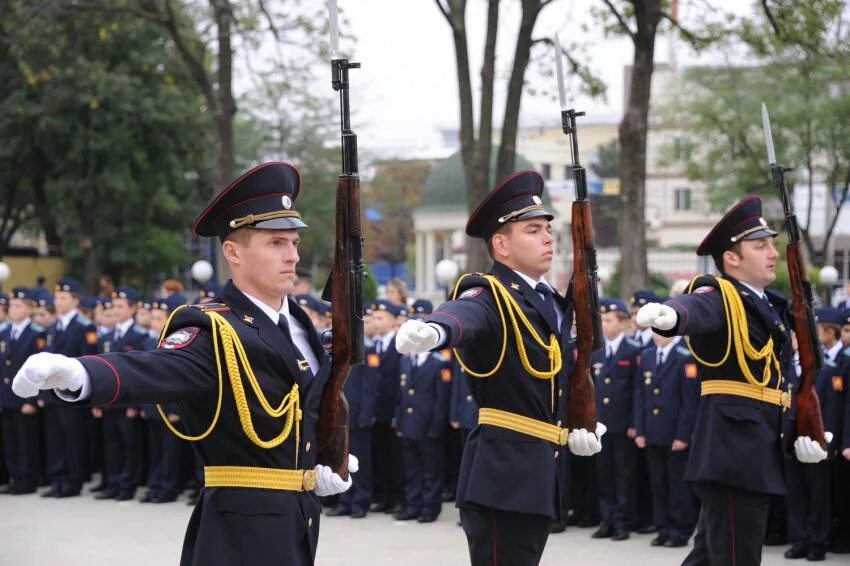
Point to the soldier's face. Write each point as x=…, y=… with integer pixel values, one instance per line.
x=122, y=309
x=845, y=334
x=143, y=317
x=158, y=319
x=613, y=325
x=265, y=263
x=527, y=247
x=756, y=263
x=382, y=322
x=65, y=302
x=19, y=310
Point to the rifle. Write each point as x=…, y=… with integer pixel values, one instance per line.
x=581, y=410
x=809, y=417
x=345, y=280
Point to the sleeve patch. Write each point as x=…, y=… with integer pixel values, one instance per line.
x=471, y=293
x=837, y=383
x=446, y=375
x=624, y=363
x=180, y=338
x=691, y=371
x=91, y=338
x=703, y=290
x=40, y=343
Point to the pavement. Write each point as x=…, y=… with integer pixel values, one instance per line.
x=83, y=531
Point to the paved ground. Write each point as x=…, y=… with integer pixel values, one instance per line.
x=83, y=531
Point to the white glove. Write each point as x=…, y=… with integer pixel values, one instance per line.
x=810, y=452
x=48, y=371
x=330, y=483
x=415, y=336
x=583, y=443
x=657, y=315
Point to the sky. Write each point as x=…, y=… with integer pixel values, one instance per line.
x=406, y=90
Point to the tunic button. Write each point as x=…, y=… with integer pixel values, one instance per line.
x=559, y=423
x=8, y=362
x=655, y=411
x=6, y=380
x=410, y=391
x=404, y=376
x=560, y=392
x=309, y=522
x=307, y=447
x=647, y=380
x=410, y=409
x=656, y=391
x=469, y=397
x=607, y=380
x=556, y=453
x=606, y=400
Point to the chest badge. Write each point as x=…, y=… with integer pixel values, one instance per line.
x=248, y=319
x=303, y=365
x=515, y=286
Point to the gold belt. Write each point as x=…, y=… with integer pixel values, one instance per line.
x=525, y=425
x=264, y=478
x=750, y=391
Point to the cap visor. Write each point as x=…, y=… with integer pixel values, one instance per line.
x=291, y=223
x=759, y=234
x=534, y=214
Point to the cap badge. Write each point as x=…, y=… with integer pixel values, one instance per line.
x=537, y=199
x=762, y=221
x=287, y=202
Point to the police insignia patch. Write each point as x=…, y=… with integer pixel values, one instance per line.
x=471, y=293
x=180, y=338
x=446, y=375
x=837, y=383
x=703, y=290
x=373, y=360
x=91, y=338
x=691, y=371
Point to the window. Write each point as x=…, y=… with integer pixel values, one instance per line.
x=547, y=170
x=568, y=172
x=682, y=199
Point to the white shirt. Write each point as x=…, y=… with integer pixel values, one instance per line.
x=298, y=332
x=18, y=329
x=614, y=344
x=645, y=336
x=665, y=351
x=65, y=319
x=122, y=328
x=386, y=341
x=760, y=294
x=832, y=352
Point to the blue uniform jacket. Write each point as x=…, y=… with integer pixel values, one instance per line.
x=136, y=338
x=667, y=398
x=388, y=383
x=501, y=468
x=616, y=381
x=183, y=370
x=736, y=440
x=361, y=389
x=425, y=392
x=12, y=356
x=79, y=339
x=463, y=408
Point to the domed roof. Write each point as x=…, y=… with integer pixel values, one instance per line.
x=445, y=186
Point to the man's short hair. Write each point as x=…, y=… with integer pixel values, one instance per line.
x=504, y=229
x=242, y=236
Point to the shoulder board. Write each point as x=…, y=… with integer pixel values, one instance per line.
x=829, y=363
x=633, y=342
x=847, y=351
x=140, y=329
x=215, y=307
x=470, y=281
x=703, y=284
x=83, y=320
x=441, y=356
x=36, y=327
x=683, y=350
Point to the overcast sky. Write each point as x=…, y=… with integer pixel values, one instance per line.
x=406, y=90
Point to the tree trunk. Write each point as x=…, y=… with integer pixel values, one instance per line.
x=633, y=134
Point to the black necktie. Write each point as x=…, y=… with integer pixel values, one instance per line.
x=283, y=324
x=59, y=327
x=609, y=352
x=660, y=359
x=548, y=299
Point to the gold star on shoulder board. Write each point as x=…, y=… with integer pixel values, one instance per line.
x=248, y=319
x=515, y=286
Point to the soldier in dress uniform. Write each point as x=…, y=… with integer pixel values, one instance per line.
x=637, y=300
x=20, y=420
x=809, y=492
x=841, y=464
x=736, y=460
x=67, y=428
x=510, y=483
x=123, y=429
x=666, y=402
x=248, y=373
x=420, y=422
x=361, y=390
x=387, y=467
x=615, y=370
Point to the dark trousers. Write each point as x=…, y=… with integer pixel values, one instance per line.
x=164, y=456
x=21, y=447
x=616, y=474
x=387, y=466
x=123, y=450
x=67, y=449
x=698, y=556
x=644, y=500
x=359, y=496
x=504, y=538
x=735, y=521
x=808, y=503
x=424, y=466
x=584, y=494
x=674, y=508
x=453, y=451
x=840, y=469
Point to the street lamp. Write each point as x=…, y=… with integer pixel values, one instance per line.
x=828, y=277
x=202, y=270
x=446, y=272
x=5, y=272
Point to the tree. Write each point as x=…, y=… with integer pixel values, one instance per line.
x=607, y=162
x=476, y=145
x=799, y=69
x=110, y=137
x=639, y=20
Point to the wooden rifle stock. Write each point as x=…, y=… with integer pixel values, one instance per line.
x=346, y=292
x=809, y=416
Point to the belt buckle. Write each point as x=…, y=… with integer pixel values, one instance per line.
x=785, y=400
x=563, y=436
x=308, y=483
